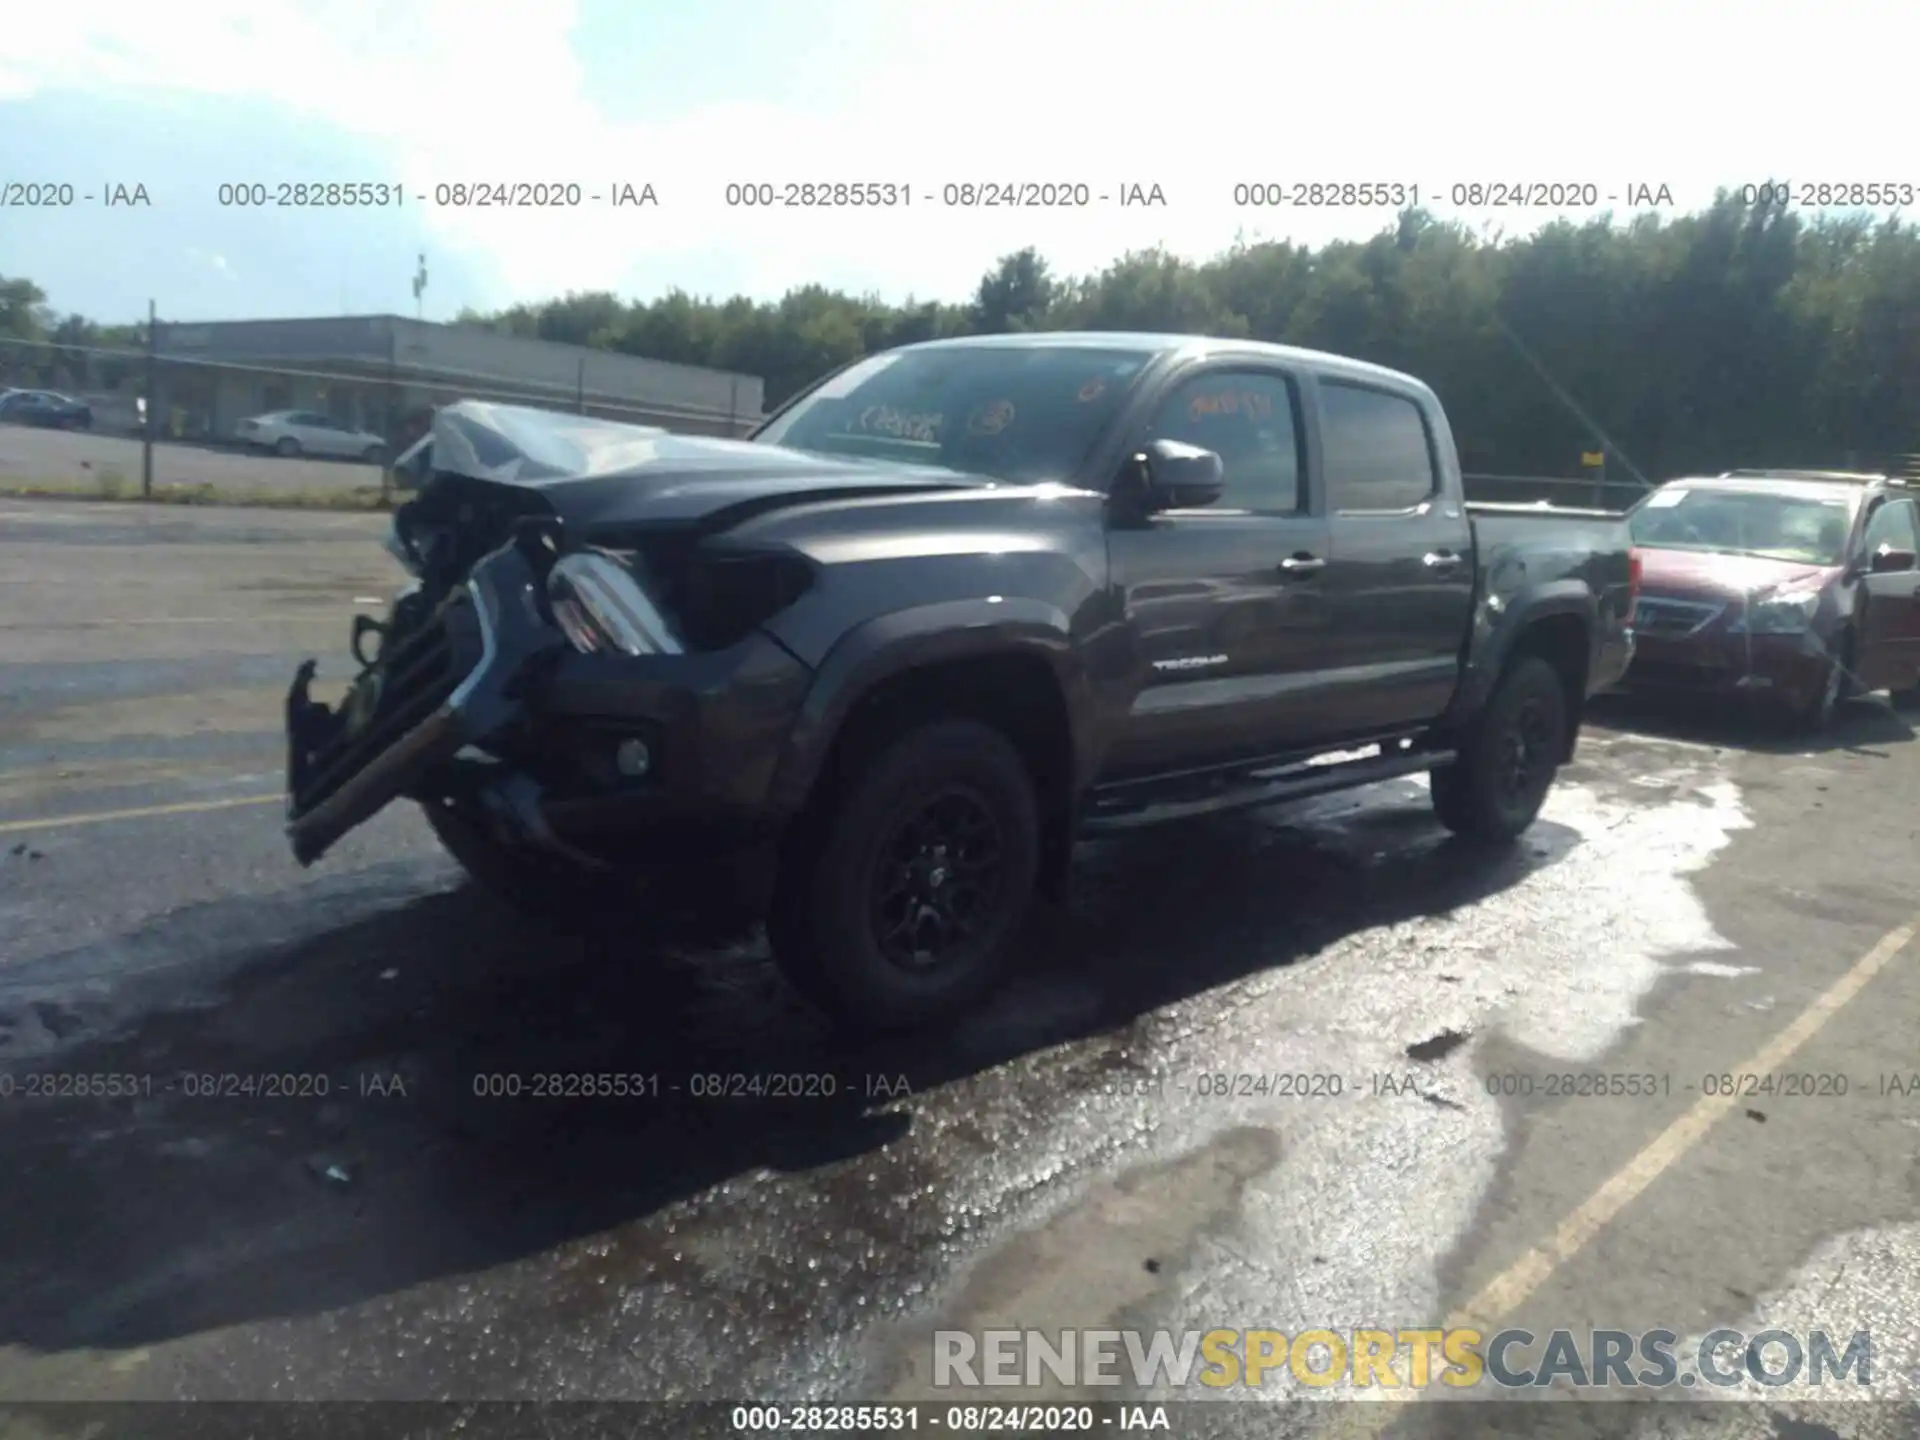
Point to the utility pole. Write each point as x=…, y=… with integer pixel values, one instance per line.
x=393, y=411
x=420, y=289
x=153, y=401
x=580, y=388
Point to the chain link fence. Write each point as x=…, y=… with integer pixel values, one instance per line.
x=1577, y=492
x=362, y=414
x=123, y=421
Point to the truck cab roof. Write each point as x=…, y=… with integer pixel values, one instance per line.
x=1179, y=348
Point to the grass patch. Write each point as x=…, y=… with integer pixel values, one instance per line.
x=111, y=485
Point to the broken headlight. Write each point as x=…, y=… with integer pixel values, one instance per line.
x=601, y=606
x=1788, y=613
x=721, y=595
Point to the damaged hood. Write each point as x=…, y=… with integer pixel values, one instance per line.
x=1724, y=575
x=597, y=473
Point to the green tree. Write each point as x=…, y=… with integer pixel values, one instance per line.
x=1741, y=334
x=1015, y=295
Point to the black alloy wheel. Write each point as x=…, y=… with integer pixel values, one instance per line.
x=1526, y=752
x=935, y=879
x=1508, y=757
x=902, y=894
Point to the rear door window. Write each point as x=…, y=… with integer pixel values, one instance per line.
x=1378, y=454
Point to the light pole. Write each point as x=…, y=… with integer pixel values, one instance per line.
x=419, y=289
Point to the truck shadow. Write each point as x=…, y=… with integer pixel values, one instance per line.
x=1864, y=724
x=415, y=1137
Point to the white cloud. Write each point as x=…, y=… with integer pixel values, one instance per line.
x=1193, y=99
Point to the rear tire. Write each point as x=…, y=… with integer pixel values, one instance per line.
x=287, y=447
x=544, y=886
x=901, y=900
x=1508, y=758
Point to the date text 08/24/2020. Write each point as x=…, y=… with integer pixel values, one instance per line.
x=1205, y=1086
x=54, y=192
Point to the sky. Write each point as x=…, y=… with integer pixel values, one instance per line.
x=687, y=97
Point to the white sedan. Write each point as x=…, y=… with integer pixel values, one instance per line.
x=307, y=432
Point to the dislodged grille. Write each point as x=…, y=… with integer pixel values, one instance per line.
x=1661, y=616
x=416, y=677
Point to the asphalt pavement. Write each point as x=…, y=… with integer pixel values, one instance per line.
x=331, y=1170
x=65, y=458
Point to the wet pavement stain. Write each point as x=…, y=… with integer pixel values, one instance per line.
x=680, y=1245
x=1083, y=1269
x=1437, y=1047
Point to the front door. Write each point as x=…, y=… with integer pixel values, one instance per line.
x=1226, y=604
x=330, y=436
x=1888, y=654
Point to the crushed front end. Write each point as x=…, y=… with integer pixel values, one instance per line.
x=447, y=674
x=569, y=697
x=1777, y=648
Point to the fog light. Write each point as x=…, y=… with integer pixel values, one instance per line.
x=632, y=758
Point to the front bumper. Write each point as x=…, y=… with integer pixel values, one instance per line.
x=1791, y=669
x=512, y=717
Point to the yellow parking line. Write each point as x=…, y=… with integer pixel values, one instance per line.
x=100, y=817
x=1503, y=1294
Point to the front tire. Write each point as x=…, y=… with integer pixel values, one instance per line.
x=1816, y=716
x=1508, y=758
x=901, y=900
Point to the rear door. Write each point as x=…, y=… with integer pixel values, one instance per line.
x=1889, y=625
x=1402, y=553
x=1226, y=603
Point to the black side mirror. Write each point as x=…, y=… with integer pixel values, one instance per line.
x=1889, y=561
x=1170, y=475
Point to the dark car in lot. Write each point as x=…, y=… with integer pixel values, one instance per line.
x=1793, y=588
x=945, y=612
x=45, y=410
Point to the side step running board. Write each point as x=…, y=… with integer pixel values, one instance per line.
x=1303, y=782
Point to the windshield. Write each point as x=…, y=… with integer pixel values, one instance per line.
x=1812, y=530
x=1017, y=413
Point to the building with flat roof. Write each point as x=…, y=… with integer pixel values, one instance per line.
x=385, y=374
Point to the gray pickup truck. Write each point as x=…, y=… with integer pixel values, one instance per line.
x=946, y=611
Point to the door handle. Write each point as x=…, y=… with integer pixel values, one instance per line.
x=1302, y=565
x=1440, y=560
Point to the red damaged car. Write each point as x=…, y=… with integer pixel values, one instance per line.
x=1797, y=587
